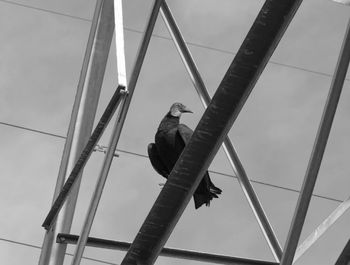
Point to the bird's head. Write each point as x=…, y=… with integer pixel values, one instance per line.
x=177, y=109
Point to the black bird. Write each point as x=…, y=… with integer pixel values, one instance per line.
x=170, y=139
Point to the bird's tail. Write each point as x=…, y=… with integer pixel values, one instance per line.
x=214, y=191
x=205, y=192
x=200, y=199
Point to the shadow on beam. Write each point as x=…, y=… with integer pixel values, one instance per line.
x=166, y=252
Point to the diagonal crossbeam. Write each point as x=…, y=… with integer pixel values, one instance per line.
x=229, y=149
x=83, y=158
x=233, y=91
x=317, y=151
x=322, y=228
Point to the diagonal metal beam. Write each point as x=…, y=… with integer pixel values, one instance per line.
x=322, y=228
x=230, y=151
x=328, y=222
x=84, y=157
x=96, y=197
x=317, y=151
x=166, y=252
x=233, y=91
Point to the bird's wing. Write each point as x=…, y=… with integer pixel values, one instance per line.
x=206, y=189
x=156, y=161
x=185, y=133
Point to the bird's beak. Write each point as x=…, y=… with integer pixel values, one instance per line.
x=185, y=109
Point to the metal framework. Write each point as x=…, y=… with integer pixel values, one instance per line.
x=220, y=114
x=80, y=126
x=318, y=151
x=227, y=145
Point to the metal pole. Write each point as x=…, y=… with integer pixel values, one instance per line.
x=63, y=192
x=116, y=133
x=227, y=145
x=97, y=194
x=70, y=147
x=141, y=53
x=322, y=228
x=119, y=41
x=318, y=151
x=96, y=71
x=209, y=134
x=166, y=252
x=122, y=82
x=83, y=158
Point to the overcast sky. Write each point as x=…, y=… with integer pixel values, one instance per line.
x=40, y=60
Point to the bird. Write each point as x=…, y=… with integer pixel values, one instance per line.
x=170, y=140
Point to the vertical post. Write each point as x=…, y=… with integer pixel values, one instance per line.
x=116, y=130
x=318, y=151
x=121, y=73
x=141, y=53
x=227, y=145
x=80, y=127
x=50, y=235
x=119, y=41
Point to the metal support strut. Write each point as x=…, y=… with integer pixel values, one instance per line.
x=84, y=157
x=116, y=132
x=82, y=118
x=318, y=151
x=322, y=228
x=213, y=127
x=97, y=193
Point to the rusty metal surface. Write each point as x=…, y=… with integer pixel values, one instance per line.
x=217, y=120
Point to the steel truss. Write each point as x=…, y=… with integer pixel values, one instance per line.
x=221, y=112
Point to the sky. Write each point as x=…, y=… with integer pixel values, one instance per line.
x=41, y=57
